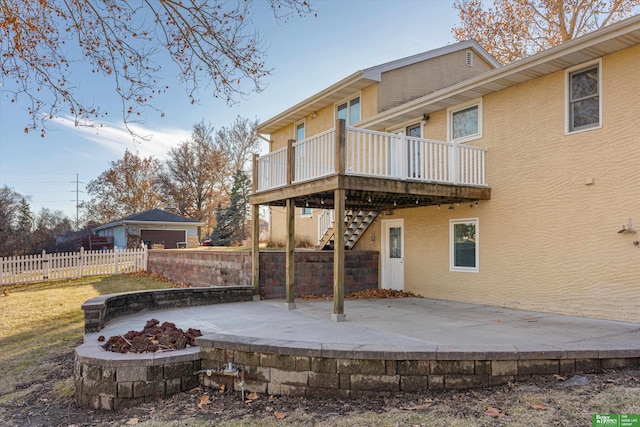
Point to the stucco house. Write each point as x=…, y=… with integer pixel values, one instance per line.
x=514, y=186
x=155, y=226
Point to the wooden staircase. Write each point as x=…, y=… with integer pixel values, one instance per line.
x=356, y=223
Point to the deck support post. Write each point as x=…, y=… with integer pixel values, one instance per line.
x=255, y=235
x=338, y=258
x=255, y=251
x=290, y=258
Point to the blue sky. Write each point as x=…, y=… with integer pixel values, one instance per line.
x=306, y=55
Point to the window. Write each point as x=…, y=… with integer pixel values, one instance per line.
x=463, y=249
x=299, y=136
x=349, y=111
x=465, y=122
x=414, y=151
x=306, y=212
x=584, y=98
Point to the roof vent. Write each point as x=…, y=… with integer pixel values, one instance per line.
x=469, y=59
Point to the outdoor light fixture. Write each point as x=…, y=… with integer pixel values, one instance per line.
x=369, y=199
x=394, y=203
x=314, y=115
x=450, y=207
x=438, y=205
x=306, y=204
x=628, y=229
x=322, y=201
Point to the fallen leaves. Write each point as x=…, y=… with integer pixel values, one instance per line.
x=279, y=414
x=494, y=412
x=203, y=401
x=132, y=421
x=153, y=337
x=539, y=406
x=365, y=294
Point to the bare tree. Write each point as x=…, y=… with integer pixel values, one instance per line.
x=238, y=141
x=194, y=174
x=49, y=227
x=511, y=29
x=9, y=212
x=129, y=186
x=211, y=44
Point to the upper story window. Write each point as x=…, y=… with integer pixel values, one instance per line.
x=584, y=106
x=465, y=122
x=414, y=130
x=300, y=135
x=349, y=111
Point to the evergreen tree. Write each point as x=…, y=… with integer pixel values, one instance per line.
x=231, y=221
x=24, y=226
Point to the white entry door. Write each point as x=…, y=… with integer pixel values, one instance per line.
x=393, y=254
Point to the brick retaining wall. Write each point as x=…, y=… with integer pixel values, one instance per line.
x=202, y=268
x=101, y=309
x=308, y=369
x=129, y=380
x=314, y=272
x=313, y=275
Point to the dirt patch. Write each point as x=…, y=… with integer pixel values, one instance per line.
x=152, y=338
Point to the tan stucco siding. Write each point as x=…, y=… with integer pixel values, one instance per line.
x=406, y=83
x=548, y=241
x=279, y=139
x=369, y=101
x=306, y=228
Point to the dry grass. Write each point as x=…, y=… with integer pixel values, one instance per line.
x=41, y=322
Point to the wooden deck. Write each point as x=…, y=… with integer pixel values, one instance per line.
x=349, y=168
x=376, y=170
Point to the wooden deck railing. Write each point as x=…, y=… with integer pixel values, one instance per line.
x=373, y=154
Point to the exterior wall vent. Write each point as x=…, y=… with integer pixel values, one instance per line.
x=469, y=59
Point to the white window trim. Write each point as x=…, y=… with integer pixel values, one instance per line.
x=451, y=110
x=303, y=215
x=567, y=103
x=452, y=248
x=346, y=100
x=295, y=129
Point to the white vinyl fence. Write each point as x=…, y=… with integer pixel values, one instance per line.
x=71, y=265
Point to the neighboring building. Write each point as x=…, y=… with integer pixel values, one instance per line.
x=513, y=186
x=155, y=226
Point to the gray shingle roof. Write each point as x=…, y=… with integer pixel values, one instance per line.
x=157, y=215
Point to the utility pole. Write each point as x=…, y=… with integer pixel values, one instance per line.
x=77, y=204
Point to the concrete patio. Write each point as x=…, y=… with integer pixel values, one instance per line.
x=384, y=346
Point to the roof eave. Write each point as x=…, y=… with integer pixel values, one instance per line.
x=526, y=69
x=350, y=84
